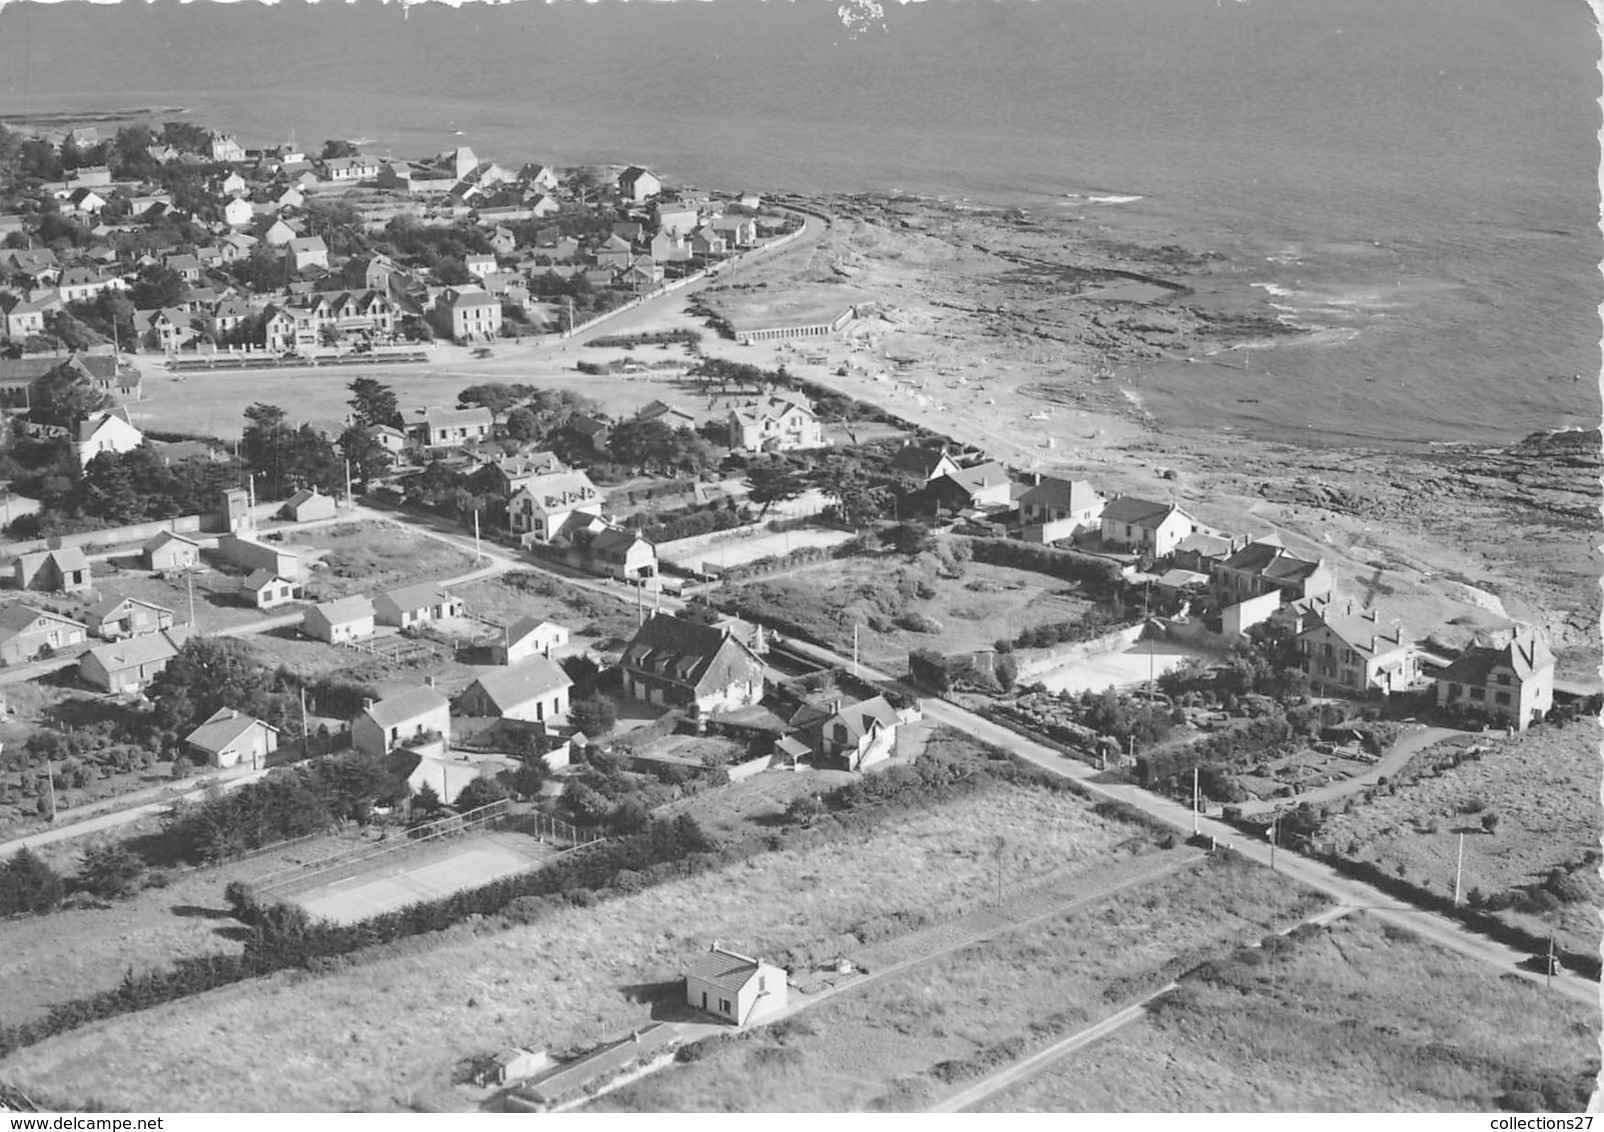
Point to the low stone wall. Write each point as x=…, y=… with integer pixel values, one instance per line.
x=1033, y=662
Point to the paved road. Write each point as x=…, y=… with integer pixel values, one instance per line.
x=1346, y=891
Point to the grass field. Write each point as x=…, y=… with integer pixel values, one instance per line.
x=1544, y=786
x=1358, y=1018
x=524, y=593
x=988, y=602
x=880, y=1047
x=369, y=558
x=401, y=1021
x=53, y=958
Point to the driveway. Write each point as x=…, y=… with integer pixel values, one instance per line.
x=1407, y=746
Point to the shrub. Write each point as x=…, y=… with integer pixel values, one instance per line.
x=27, y=884
x=110, y=872
x=1489, y=822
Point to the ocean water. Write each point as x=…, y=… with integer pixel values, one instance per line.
x=1416, y=183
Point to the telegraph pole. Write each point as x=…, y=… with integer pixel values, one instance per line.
x=1275, y=825
x=1459, y=869
x=190, y=581
x=50, y=785
x=1548, y=968
x=349, y=499
x=1194, y=802
x=854, y=650
x=477, y=557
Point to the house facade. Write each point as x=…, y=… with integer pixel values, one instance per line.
x=266, y=590
x=733, y=987
x=775, y=423
x=448, y=428
x=1268, y=567
x=535, y=690
x=117, y=616
x=421, y=604
x=1138, y=525
x=1349, y=651
x=418, y=719
x=26, y=631
x=544, y=507
x=128, y=665
x=170, y=551
x=678, y=663
x=54, y=571
x=528, y=637
x=337, y=622
x=1054, y=500
x=1513, y=684
x=231, y=738
x=109, y=432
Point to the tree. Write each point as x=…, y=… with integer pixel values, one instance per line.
x=479, y=792
x=369, y=459
x=1489, y=822
x=157, y=287
x=336, y=148
x=522, y=424
x=110, y=872
x=594, y=716
x=62, y=397
x=426, y=801
x=930, y=668
x=373, y=403
x=452, y=272
x=27, y=884
x=527, y=778
x=772, y=483
x=584, y=672
x=210, y=673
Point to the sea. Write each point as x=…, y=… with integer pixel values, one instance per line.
x=1412, y=183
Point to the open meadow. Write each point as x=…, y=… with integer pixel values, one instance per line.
x=902, y=1042
x=372, y=557
x=961, y=613
x=1354, y=1017
x=1542, y=786
x=398, y=1021
x=524, y=593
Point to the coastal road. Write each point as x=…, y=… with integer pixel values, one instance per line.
x=1316, y=875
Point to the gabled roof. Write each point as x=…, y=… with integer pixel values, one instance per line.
x=256, y=579
x=726, y=970
x=680, y=651
x=162, y=538
x=1070, y=495
x=437, y=417
x=1362, y=630
x=110, y=603
x=303, y=496
x=20, y=615
x=143, y=649
x=224, y=726
x=419, y=596
x=67, y=558
x=980, y=477
x=919, y=460
x=1137, y=512
x=527, y=627
x=860, y=718
x=617, y=539
x=344, y=610
x=406, y=706
x=1209, y=546
x=1525, y=656
x=531, y=679
x=559, y=489
x=1271, y=560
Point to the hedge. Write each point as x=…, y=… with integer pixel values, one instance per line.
x=1100, y=576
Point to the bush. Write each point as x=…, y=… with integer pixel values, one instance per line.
x=595, y=716
x=110, y=872
x=27, y=884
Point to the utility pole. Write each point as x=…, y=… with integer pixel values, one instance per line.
x=1275, y=824
x=350, y=500
x=189, y=579
x=1459, y=869
x=1194, y=802
x=306, y=733
x=477, y=556
x=50, y=785
x=854, y=650
x=1548, y=968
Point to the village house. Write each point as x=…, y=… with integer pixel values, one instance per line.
x=106, y=432
x=280, y=233
x=1201, y=552
x=226, y=148
x=591, y=432
x=546, y=506
x=230, y=738
x=675, y=218
x=734, y=987
x=337, y=622
x=435, y=427
x=535, y=689
x=705, y=242
x=1513, y=684
x=238, y=212
x=738, y=231
x=54, y=571
x=307, y=505
x=985, y=486
x=924, y=463
x=673, y=662
x=504, y=477
x=614, y=252
x=391, y=439
x=421, y=604
x=468, y=316
x=23, y=319
x=266, y=590
x=618, y=553
x=1350, y=651
x=525, y=638
x=116, y=616
x=128, y=665
x=1266, y=566
x=251, y=555
x=661, y=412
x=349, y=170
x=307, y=251
x=848, y=736
x=418, y=719
x=1050, y=501
x=775, y=423
x=1135, y=524
x=170, y=550
x=79, y=283
x=638, y=185
x=26, y=631
x=480, y=265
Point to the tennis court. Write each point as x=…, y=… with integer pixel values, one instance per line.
x=450, y=868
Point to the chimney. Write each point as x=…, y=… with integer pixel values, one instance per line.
x=367, y=704
x=428, y=681
x=835, y=706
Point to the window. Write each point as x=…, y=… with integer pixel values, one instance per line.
x=1455, y=691
x=724, y=1006
x=1503, y=678
x=1501, y=698
x=1478, y=693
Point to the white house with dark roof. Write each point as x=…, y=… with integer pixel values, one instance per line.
x=775, y=423
x=674, y=662
x=26, y=630
x=1514, y=683
x=848, y=735
x=1129, y=523
x=545, y=506
x=420, y=604
x=437, y=427
x=987, y=486
x=418, y=719
x=528, y=637
x=106, y=432
x=116, y=616
x=267, y=590
x=1053, y=500
x=1351, y=651
x=307, y=505
x=170, y=550
x=637, y=184
x=348, y=619
x=535, y=690
x=468, y=316
x=1265, y=567
x=128, y=665
x=230, y=737
x=735, y=987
